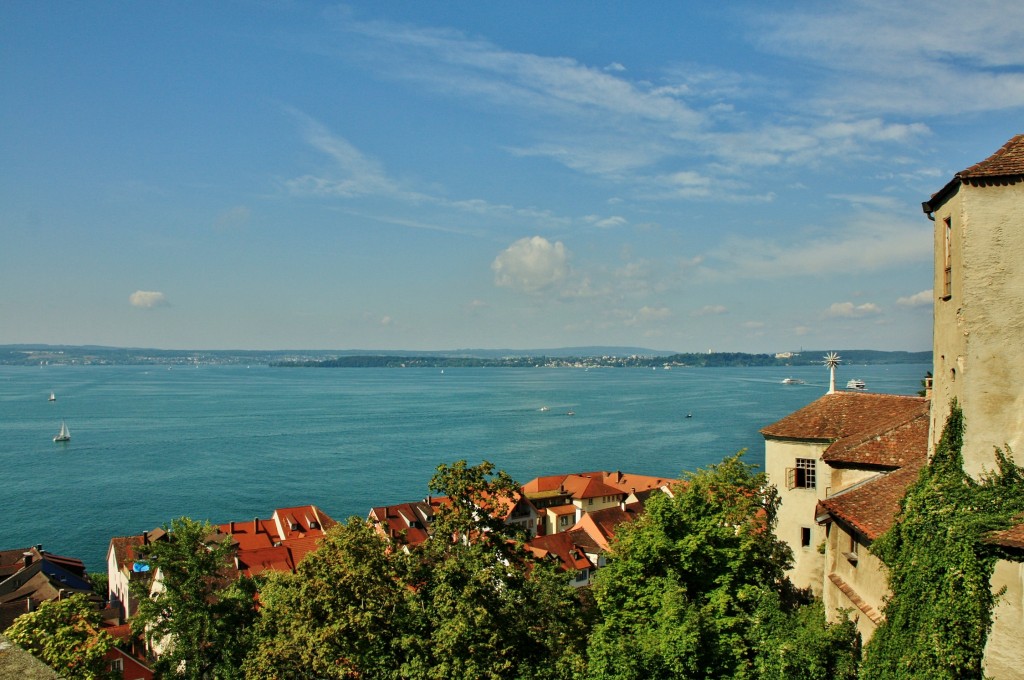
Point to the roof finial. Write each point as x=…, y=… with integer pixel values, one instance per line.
x=832, y=360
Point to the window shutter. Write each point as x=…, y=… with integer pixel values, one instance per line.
x=790, y=478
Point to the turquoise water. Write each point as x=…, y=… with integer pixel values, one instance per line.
x=230, y=442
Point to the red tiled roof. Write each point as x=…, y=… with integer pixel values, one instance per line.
x=869, y=429
x=1007, y=162
x=600, y=525
x=891, y=445
x=1009, y=538
x=571, y=557
x=871, y=506
x=579, y=486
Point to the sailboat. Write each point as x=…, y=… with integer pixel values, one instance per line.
x=64, y=435
x=53, y=397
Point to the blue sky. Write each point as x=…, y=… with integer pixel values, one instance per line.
x=676, y=175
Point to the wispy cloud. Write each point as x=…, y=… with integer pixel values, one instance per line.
x=973, y=51
x=922, y=299
x=148, y=299
x=849, y=310
x=711, y=310
x=869, y=242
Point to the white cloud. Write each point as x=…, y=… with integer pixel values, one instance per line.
x=922, y=299
x=753, y=325
x=849, y=310
x=531, y=265
x=711, y=310
x=148, y=299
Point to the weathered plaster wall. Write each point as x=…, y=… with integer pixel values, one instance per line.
x=797, y=508
x=979, y=330
x=867, y=578
x=1004, y=654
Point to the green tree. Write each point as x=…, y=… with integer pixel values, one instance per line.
x=341, y=615
x=482, y=607
x=200, y=610
x=692, y=582
x=66, y=635
x=940, y=566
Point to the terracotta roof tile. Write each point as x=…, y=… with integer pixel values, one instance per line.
x=882, y=430
x=892, y=445
x=1008, y=160
x=570, y=556
x=871, y=506
x=1010, y=538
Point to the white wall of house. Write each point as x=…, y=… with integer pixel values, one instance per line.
x=796, y=525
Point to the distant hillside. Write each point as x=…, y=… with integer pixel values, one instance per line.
x=35, y=355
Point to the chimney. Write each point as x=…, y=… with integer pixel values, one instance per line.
x=145, y=538
x=231, y=527
x=255, y=525
x=27, y=556
x=39, y=547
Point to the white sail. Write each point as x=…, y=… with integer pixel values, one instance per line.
x=64, y=435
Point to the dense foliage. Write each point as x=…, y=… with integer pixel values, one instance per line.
x=696, y=590
x=66, y=635
x=940, y=566
x=201, y=612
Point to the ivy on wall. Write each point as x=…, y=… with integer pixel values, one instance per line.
x=940, y=565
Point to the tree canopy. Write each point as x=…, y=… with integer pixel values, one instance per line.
x=66, y=635
x=198, y=610
x=696, y=589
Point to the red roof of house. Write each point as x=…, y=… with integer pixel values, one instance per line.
x=579, y=486
x=570, y=556
x=893, y=444
x=600, y=525
x=871, y=506
x=1008, y=162
x=883, y=430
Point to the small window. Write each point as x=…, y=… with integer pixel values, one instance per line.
x=803, y=475
x=805, y=537
x=117, y=665
x=590, y=501
x=852, y=556
x=947, y=256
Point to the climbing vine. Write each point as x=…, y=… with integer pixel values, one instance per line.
x=940, y=565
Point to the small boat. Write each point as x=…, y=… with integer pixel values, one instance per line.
x=856, y=384
x=689, y=415
x=64, y=435
x=53, y=397
x=543, y=408
x=792, y=381
x=570, y=413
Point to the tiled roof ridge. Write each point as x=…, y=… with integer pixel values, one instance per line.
x=1007, y=160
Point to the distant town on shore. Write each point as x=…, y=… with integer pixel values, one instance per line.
x=568, y=357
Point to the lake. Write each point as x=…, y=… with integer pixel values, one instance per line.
x=151, y=443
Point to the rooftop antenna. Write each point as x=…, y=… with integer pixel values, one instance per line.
x=832, y=360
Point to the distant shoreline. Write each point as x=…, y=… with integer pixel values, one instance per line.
x=589, y=357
